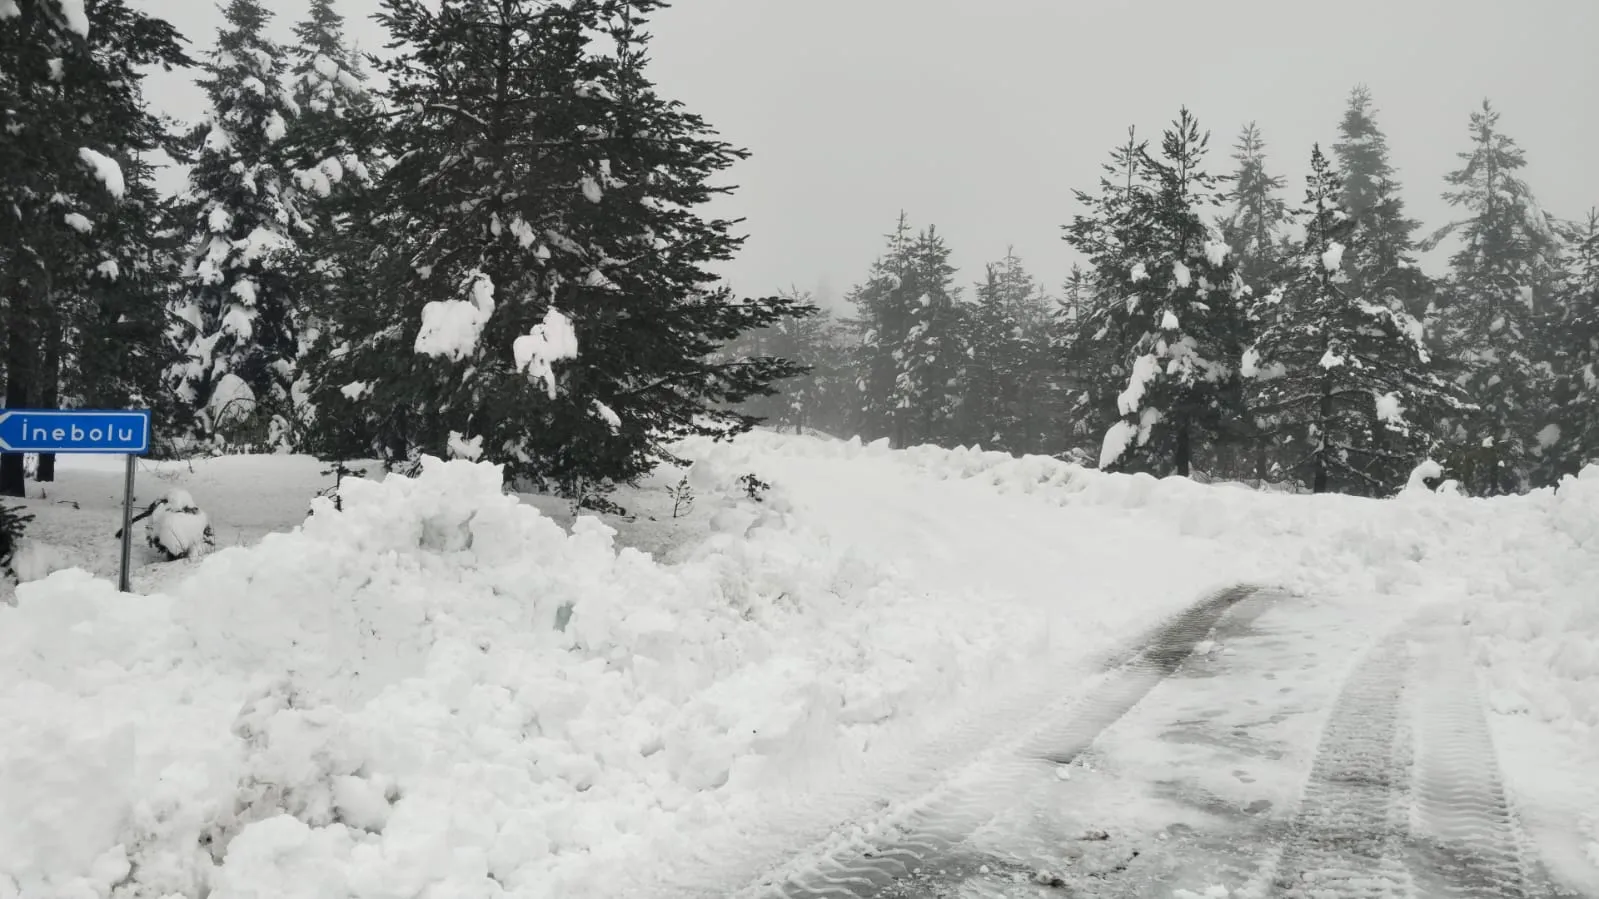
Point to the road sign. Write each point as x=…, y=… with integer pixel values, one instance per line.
x=103, y=432
x=75, y=431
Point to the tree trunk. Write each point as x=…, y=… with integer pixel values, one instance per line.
x=1185, y=449
x=1319, y=459
x=50, y=394
x=19, y=370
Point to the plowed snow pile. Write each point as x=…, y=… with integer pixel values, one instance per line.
x=440, y=692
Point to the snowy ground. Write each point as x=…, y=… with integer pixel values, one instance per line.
x=445, y=688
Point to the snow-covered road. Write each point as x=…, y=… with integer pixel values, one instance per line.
x=1259, y=744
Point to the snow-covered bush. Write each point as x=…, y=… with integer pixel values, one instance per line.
x=178, y=528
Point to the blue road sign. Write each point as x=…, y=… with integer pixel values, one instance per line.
x=75, y=431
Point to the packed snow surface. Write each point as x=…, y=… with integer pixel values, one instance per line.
x=439, y=690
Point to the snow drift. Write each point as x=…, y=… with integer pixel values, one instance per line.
x=436, y=687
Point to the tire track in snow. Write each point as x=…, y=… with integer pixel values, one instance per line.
x=1466, y=840
x=1405, y=795
x=919, y=837
x=1347, y=838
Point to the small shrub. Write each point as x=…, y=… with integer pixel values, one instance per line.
x=13, y=522
x=754, y=487
x=682, y=497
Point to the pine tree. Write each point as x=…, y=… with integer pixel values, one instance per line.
x=1260, y=248
x=1338, y=374
x=1170, y=287
x=1003, y=389
x=801, y=401
x=1380, y=261
x=910, y=322
x=1086, y=374
x=333, y=147
x=1574, y=441
x=1254, y=228
x=543, y=287
x=1093, y=339
x=75, y=122
x=240, y=330
x=1496, y=312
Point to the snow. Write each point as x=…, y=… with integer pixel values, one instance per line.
x=276, y=127
x=451, y=328
x=355, y=390
x=441, y=686
x=1168, y=322
x=1391, y=411
x=1181, y=274
x=76, y=18
x=591, y=189
x=9, y=9
x=1333, y=258
x=79, y=222
x=104, y=167
x=179, y=526
x=262, y=244
x=1548, y=436
x=1250, y=367
x=609, y=416
x=1216, y=253
x=1139, y=272
x=549, y=342
x=1146, y=369
x=231, y=399
x=1118, y=439
x=463, y=447
x=109, y=269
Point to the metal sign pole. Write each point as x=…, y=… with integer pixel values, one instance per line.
x=125, y=581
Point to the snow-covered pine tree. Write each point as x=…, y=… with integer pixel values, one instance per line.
x=803, y=400
x=333, y=150
x=933, y=355
x=882, y=318
x=1576, y=363
x=1172, y=288
x=1004, y=389
x=1254, y=230
x=238, y=318
x=1085, y=374
x=1496, y=310
x=1091, y=340
x=1380, y=261
x=909, y=318
x=75, y=121
x=1254, y=227
x=543, y=291
x=117, y=351
x=1338, y=374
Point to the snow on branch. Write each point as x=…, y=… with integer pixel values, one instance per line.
x=537, y=351
x=106, y=169
x=451, y=328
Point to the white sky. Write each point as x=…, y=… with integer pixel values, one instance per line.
x=981, y=116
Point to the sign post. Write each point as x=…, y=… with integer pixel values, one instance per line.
x=85, y=432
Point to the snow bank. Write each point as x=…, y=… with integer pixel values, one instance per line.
x=1521, y=569
x=440, y=688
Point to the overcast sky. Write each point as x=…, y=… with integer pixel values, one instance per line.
x=982, y=116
